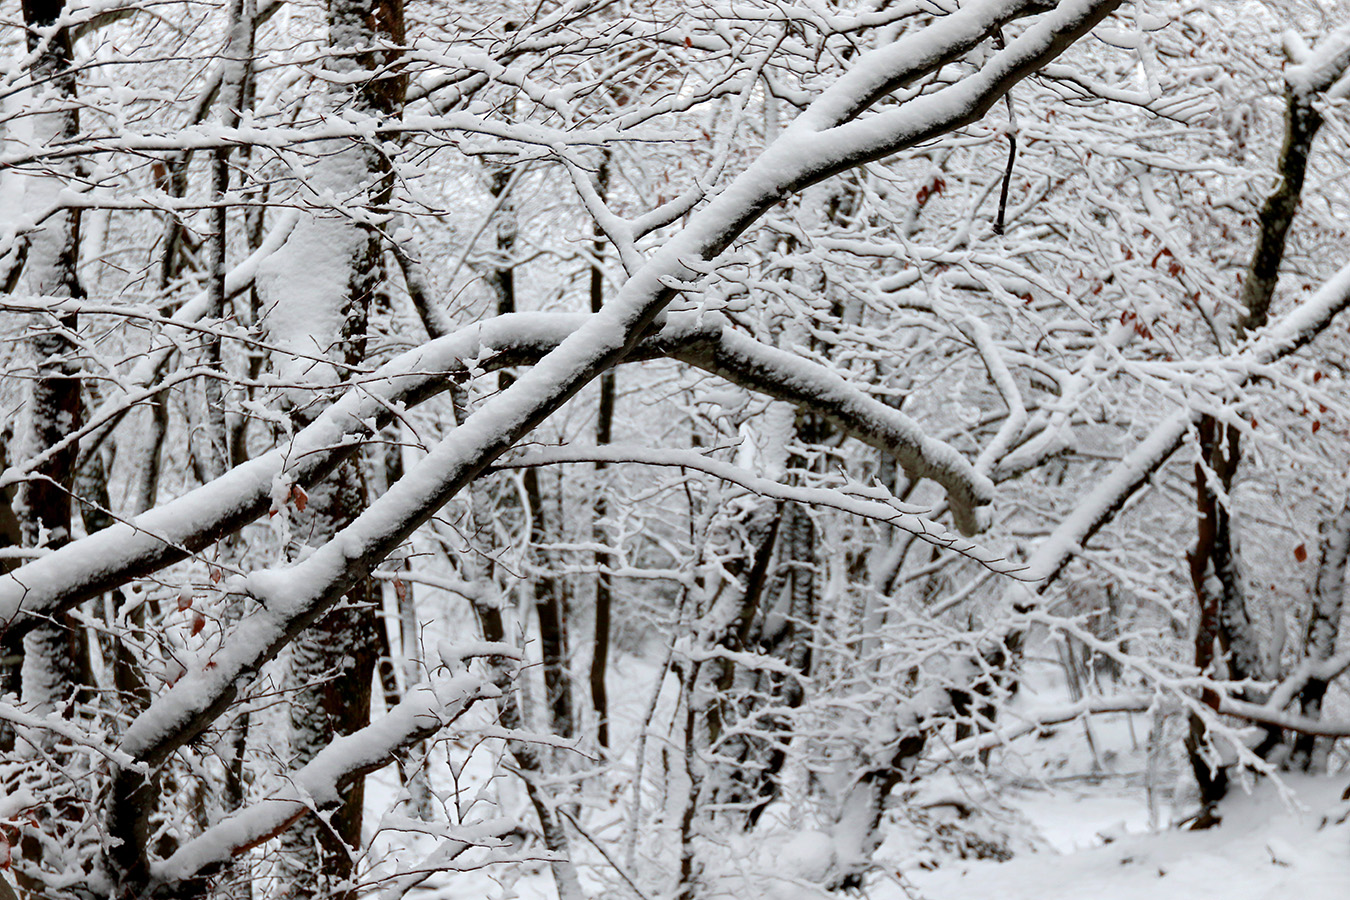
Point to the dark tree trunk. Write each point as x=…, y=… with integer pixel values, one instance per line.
x=1224, y=631
x=604, y=426
x=333, y=668
x=55, y=653
x=549, y=605
x=1216, y=590
x=11, y=651
x=333, y=664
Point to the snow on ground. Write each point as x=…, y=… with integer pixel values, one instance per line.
x=1070, y=807
x=1077, y=818
x=1080, y=791
x=1262, y=850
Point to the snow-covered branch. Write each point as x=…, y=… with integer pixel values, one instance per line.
x=184, y=526
x=1297, y=328
x=424, y=711
x=903, y=516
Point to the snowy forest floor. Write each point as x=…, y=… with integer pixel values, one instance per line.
x=1267, y=846
x=1074, y=813
x=1071, y=812
x=1101, y=828
x=1092, y=823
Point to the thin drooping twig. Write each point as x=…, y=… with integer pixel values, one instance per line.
x=1007, y=173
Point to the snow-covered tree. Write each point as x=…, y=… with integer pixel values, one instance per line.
x=817, y=363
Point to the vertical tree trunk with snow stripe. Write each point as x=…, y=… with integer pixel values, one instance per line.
x=53, y=652
x=55, y=662
x=318, y=290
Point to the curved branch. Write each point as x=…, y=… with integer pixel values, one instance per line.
x=767, y=370
x=181, y=527
x=903, y=516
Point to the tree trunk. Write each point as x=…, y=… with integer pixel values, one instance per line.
x=333, y=664
x=55, y=653
x=1319, y=643
x=235, y=63
x=332, y=669
x=500, y=276
x=604, y=427
x=1223, y=622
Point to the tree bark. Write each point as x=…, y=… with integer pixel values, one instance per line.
x=1223, y=622
x=500, y=275
x=1309, y=753
x=54, y=672
x=604, y=428
x=333, y=664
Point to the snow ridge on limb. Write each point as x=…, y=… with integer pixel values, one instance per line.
x=707, y=342
x=1317, y=71
x=1111, y=493
x=1265, y=715
x=851, y=143
x=1300, y=325
x=906, y=517
x=177, y=529
x=915, y=55
x=296, y=596
x=1036, y=719
x=784, y=376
